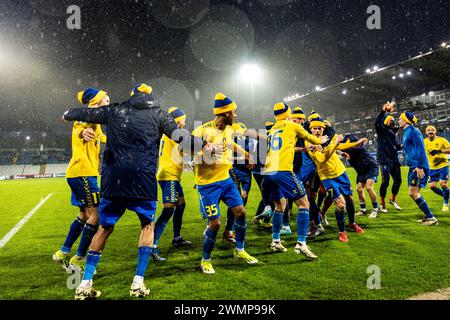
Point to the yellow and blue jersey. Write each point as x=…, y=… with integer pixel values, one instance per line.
x=170, y=165
x=437, y=161
x=85, y=155
x=216, y=169
x=281, y=141
x=327, y=162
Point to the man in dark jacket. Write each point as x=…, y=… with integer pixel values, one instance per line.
x=387, y=156
x=366, y=167
x=134, y=129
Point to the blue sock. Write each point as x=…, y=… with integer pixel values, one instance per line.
x=446, y=194
x=422, y=204
x=89, y=232
x=350, y=208
x=340, y=218
x=240, y=226
x=209, y=240
x=92, y=259
x=438, y=191
x=276, y=224
x=302, y=225
x=286, y=217
x=178, y=220
x=375, y=205
x=161, y=223
x=230, y=220
x=72, y=236
x=362, y=206
x=144, y=254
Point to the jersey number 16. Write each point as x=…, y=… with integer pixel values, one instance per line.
x=274, y=141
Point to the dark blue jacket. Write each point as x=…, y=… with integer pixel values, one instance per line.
x=387, y=144
x=414, y=148
x=133, y=129
x=360, y=159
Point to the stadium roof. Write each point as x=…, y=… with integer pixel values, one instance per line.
x=426, y=72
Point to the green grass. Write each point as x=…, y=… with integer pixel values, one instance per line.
x=413, y=259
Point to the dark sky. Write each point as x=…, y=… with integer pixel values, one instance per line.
x=190, y=49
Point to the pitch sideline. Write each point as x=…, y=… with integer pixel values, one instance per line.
x=441, y=294
x=19, y=225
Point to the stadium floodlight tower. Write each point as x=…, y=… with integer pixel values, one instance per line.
x=251, y=74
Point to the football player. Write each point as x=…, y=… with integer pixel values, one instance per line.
x=417, y=161
x=82, y=174
x=437, y=149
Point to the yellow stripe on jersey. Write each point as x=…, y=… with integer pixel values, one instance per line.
x=328, y=163
x=85, y=155
x=209, y=171
x=281, y=141
x=438, y=161
x=170, y=165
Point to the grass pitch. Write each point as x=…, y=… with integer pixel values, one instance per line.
x=413, y=259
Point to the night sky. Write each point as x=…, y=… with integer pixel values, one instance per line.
x=188, y=50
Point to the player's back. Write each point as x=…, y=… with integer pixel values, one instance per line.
x=134, y=129
x=281, y=141
x=170, y=165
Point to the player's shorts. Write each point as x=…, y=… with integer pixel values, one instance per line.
x=243, y=178
x=85, y=192
x=110, y=211
x=439, y=174
x=210, y=196
x=414, y=181
x=307, y=174
x=284, y=184
x=338, y=186
x=370, y=173
x=171, y=191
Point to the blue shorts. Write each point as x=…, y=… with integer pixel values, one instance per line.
x=370, y=173
x=307, y=174
x=171, y=191
x=414, y=181
x=338, y=186
x=284, y=184
x=110, y=211
x=439, y=174
x=243, y=178
x=211, y=194
x=85, y=192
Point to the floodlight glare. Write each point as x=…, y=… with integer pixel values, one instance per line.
x=251, y=73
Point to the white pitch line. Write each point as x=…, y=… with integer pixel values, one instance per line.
x=19, y=225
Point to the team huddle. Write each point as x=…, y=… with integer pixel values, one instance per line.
x=299, y=159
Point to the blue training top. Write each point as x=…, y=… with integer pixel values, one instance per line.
x=414, y=148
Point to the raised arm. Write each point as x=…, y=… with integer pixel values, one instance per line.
x=167, y=126
x=348, y=145
x=90, y=115
x=305, y=135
